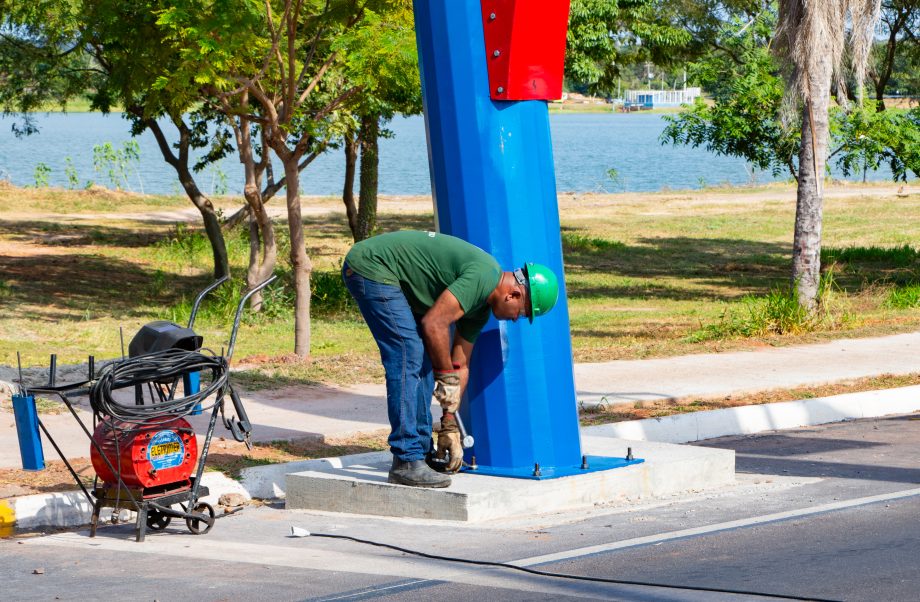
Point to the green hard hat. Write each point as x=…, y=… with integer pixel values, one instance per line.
x=543, y=287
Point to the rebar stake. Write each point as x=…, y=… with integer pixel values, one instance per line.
x=584, y=462
x=52, y=370
x=629, y=456
x=536, y=470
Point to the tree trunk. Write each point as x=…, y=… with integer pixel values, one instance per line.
x=300, y=262
x=806, y=246
x=201, y=202
x=891, y=46
x=348, y=190
x=263, y=251
x=367, y=195
x=211, y=222
x=261, y=238
x=237, y=218
x=214, y=233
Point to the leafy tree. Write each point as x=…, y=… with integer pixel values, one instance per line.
x=604, y=36
x=41, y=60
x=870, y=138
x=259, y=187
x=743, y=119
x=282, y=55
x=55, y=51
x=900, y=24
x=380, y=58
x=905, y=76
x=747, y=119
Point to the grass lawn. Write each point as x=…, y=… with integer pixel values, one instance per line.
x=648, y=275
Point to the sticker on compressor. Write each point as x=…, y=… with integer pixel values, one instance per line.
x=165, y=450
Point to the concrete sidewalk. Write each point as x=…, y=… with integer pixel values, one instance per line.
x=336, y=413
x=719, y=374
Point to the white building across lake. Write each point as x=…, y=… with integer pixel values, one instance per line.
x=653, y=99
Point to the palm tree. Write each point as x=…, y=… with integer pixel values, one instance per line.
x=812, y=38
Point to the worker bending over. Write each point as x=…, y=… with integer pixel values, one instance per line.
x=411, y=287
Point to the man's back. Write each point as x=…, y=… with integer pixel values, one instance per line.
x=424, y=264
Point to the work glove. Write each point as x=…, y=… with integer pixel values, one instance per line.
x=447, y=389
x=449, y=443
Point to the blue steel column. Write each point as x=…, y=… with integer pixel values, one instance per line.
x=494, y=185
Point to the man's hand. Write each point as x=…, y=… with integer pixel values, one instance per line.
x=449, y=441
x=447, y=389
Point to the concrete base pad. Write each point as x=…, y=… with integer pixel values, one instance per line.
x=358, y=484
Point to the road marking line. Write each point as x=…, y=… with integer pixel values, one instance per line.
x=377, y=590
x=757, y=520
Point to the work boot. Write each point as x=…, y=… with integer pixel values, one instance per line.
x=416, y=474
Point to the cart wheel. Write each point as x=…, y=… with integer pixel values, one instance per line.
x=156, y=520
x=201, y=526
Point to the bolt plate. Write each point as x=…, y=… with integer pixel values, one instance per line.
x=595, y=464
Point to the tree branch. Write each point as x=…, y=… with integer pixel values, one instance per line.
x=309, y=59
x=154, y=127
x=316, y=79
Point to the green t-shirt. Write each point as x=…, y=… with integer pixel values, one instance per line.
x=423, y=264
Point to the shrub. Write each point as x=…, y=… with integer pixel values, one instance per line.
x=778, y=313
x=904, y=297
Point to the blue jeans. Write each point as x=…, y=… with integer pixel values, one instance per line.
x=405, y=362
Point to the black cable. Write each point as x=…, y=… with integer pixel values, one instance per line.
x=161, y=367
x=564, y=575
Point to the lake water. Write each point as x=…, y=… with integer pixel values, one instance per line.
x=585, y=147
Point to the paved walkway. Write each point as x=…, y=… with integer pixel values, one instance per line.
x=718, y=374
x=329, y=413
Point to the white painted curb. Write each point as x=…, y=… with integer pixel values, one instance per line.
x=72, y=509
x=746, y=420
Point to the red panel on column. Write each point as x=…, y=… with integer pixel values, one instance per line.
x=525, y=47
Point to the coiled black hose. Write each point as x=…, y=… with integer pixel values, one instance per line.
x=161, y=367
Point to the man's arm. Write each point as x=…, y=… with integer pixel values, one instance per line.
x=449, y=388
x=460, y=358
x=436, y=333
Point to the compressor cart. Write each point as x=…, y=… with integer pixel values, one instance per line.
x=144, y=451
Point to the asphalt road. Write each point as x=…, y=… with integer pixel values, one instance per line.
x=828, y=512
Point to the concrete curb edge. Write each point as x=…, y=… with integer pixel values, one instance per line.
x=747, y=420
x=71, y=508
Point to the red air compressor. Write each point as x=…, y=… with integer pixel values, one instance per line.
x=155, y=456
